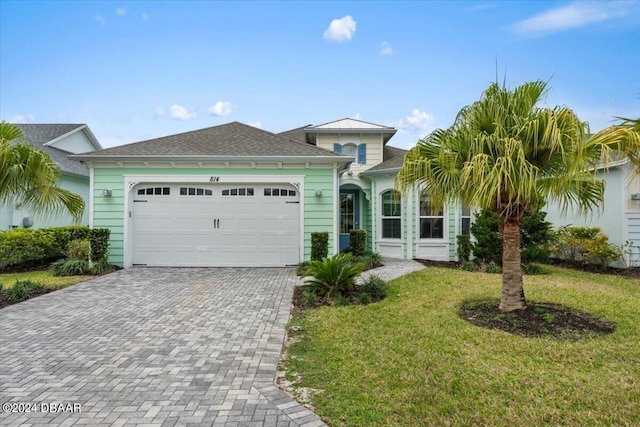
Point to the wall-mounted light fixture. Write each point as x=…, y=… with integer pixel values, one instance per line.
x=106, y=193
x=635, y=196
x=350, y=172
x=318, y=193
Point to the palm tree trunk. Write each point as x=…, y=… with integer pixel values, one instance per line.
x=512, y=292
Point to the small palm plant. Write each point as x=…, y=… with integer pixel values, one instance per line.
x=331, y=277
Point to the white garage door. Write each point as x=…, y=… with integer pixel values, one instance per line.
x=633, y=224
x=201, y=225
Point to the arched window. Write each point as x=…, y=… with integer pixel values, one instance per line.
x=391, y=215
x=431, y=219
x=349, y=149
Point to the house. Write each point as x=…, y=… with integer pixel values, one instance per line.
x=619, y=216
x=236, y=195
x=58, y=141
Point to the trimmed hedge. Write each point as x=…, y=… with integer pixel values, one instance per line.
x=358, y=242
x=26, y=245
x=319, y=245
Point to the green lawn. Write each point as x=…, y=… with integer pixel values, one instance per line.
x=411, y=361
x=42, y=276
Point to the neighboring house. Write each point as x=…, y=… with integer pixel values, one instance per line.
x=58, y=141
x=619, y=216
x=235, y=195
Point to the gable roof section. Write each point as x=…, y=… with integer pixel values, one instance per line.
x=39, y=135
x=229, y=141
x=348, y=125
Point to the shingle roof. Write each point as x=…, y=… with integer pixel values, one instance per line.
x=39, y=134
x=393, y=159
x=229, y=140
x=297, y=134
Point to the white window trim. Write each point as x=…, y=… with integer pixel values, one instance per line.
x=445, y=223
x=355, y=143
x=382, y=218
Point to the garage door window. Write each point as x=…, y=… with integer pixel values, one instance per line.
x=279, y=192
x=195, y=191
x=238, y=192
x=154, y=191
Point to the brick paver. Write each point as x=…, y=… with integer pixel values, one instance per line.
x=156, y=347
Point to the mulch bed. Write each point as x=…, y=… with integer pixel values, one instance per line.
x=5, y=303
x=539, y=319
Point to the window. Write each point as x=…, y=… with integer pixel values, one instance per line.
x=465, y=221
x=238, y=192
x=154, y=191
x=351, y=150
x=279, y=192
x=431, y=219
x=195, y=191
x=391, y=215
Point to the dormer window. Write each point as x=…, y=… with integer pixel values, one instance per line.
x=350, y=149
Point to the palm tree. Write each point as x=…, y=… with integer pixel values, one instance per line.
x=506, y=153
x=30, y=176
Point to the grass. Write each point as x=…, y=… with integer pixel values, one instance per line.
x=41, y=276
x=410, y=360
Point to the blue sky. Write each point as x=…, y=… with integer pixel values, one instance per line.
x=139, y=70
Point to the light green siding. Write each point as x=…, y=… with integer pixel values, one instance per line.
x=109, y=212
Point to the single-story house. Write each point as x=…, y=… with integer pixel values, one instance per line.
x=619, y=216
x=58, y=141
x=236, y=195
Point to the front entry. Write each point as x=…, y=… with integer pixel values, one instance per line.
x=349, y=215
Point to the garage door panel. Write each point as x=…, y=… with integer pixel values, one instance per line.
x=216, y=230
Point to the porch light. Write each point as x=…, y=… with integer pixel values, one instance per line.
x=106, y=193
x=635, y=196
x=318, y=193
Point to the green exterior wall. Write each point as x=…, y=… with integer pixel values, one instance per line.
x=108, y=212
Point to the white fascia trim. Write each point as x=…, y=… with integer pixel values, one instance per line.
x=131, y=181
x=239, y=159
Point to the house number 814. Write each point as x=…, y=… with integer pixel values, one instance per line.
x=214, y=179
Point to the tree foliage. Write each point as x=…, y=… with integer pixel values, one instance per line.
x=29, y=176
x=506, y=153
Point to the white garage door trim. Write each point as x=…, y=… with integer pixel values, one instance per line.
x=130, y=181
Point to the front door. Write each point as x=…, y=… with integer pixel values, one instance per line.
x=349, y=215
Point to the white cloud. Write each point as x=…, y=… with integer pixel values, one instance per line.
x=181, y=113
x=145, y=16
x=158, y=112
x=340, y=29
x=121, y=11
x=411, y=128
x=221, y=108
x=101, y=19
x=256, y=124
x=385, y=48
x=23, y=118
x=573, y=15
x=357, y=116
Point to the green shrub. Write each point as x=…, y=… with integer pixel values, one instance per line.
x=21, y=245
x=70, y=267
x=468, y=266
x=319, y=245
x=102, y=267
x=364, y=298
x=491, y=268
x=331, y=277
x=22, y=290
x=79, y=249
x=343, y=301
x=358, y=242
x=585, y=244
x=368, y=259
x=308, y=298
x=534, y=269
x=535, y=243
x=464, y=247
x=375, y=287
x=99, y=239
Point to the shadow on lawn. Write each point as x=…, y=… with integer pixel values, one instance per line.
x=539, y=319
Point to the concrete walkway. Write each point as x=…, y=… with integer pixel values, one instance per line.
x=156, y=347
x=394, y=268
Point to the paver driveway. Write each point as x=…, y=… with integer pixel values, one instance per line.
x=152, y=346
